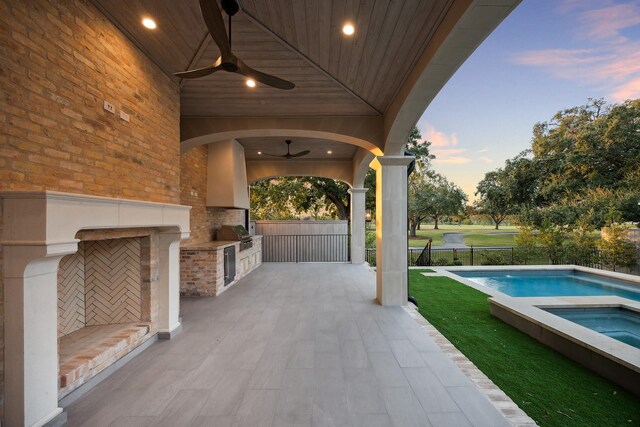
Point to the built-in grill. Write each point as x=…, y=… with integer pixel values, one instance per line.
x=236, y=232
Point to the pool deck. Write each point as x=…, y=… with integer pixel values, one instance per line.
x=291, y=345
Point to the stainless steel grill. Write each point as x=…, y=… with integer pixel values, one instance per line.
x=236, y=232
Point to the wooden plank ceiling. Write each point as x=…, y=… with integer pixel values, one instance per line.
x=297, y=40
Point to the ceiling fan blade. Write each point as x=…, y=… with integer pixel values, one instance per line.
x=272, y=155
x=215, y=24
x=300, y=154
x=200, y=72
x=264, y=78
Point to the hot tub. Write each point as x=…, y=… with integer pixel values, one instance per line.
x=618, y=323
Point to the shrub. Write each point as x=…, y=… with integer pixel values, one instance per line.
x=616, y=250
x=370, y=239
x=582, y=249
x=441, y=262
x=525, y=249
x=494, y=258
x=552, y=239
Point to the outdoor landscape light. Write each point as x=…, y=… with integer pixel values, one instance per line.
x=149, y=23
x=251, y=83
x=348, y=29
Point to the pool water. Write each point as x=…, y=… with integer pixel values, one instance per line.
x=546, y=283
x=618, y=323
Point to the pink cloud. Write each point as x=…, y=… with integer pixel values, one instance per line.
x=607, y=22
x=446, y=149
x=629, y=90
x=611, y=60
x=436, y=137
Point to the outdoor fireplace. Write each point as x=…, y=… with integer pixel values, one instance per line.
x=105, y=297
x=87, y=279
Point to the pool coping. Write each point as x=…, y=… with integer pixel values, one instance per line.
x=597, y=351
x=451, y=272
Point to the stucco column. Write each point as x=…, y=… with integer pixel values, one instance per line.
x=391, y=229
x=169, y=284
x=358, y=223
x=30, y=332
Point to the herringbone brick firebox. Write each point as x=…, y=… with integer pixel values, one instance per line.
x=104, y=301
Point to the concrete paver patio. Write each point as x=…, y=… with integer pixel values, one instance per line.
x=290, y=345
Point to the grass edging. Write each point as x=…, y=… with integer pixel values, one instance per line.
x=550, y=388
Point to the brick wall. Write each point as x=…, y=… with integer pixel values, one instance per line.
x=193, y=187
x=1, y=320
x=202, y=268
x=193, y=192
x=59, y=61
x=71, y=292
x=200, y=272
x=222, y=216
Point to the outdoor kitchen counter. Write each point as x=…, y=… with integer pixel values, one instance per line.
x=202, y=265
x=211, y=246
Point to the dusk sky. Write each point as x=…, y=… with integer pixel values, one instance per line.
x=546, y=56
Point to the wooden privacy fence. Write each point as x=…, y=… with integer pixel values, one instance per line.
x=304, y=241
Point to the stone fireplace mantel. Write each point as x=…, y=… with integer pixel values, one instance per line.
x=39, y=228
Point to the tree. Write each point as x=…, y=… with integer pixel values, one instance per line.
x=418, y=183
x=439, y=197
x=494, y=197
x=419, y=148
x=286, y=197
x=582, y=166
x=333, y=192
x=273, y=199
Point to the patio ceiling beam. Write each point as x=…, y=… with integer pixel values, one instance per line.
x=364, y=132
x=202, y=47
x=308, y=60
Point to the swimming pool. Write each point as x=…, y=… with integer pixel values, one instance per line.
x=546, y=283
x=617, y=322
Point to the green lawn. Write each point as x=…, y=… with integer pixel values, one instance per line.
x=552, y=389
x=471, y=230
x=490, y=239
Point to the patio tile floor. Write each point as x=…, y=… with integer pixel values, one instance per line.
x=290, y=345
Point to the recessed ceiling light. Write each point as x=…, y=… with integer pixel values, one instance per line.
x=149, y=23
x=348, y=29
x=251, y=83
x=329, y=152
x=259, y=152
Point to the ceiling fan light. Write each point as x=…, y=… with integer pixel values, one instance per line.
x=348, y=29
x=251, y=83
x=149, y=23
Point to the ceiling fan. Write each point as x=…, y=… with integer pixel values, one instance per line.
x=227, y=60
x=289, y=156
